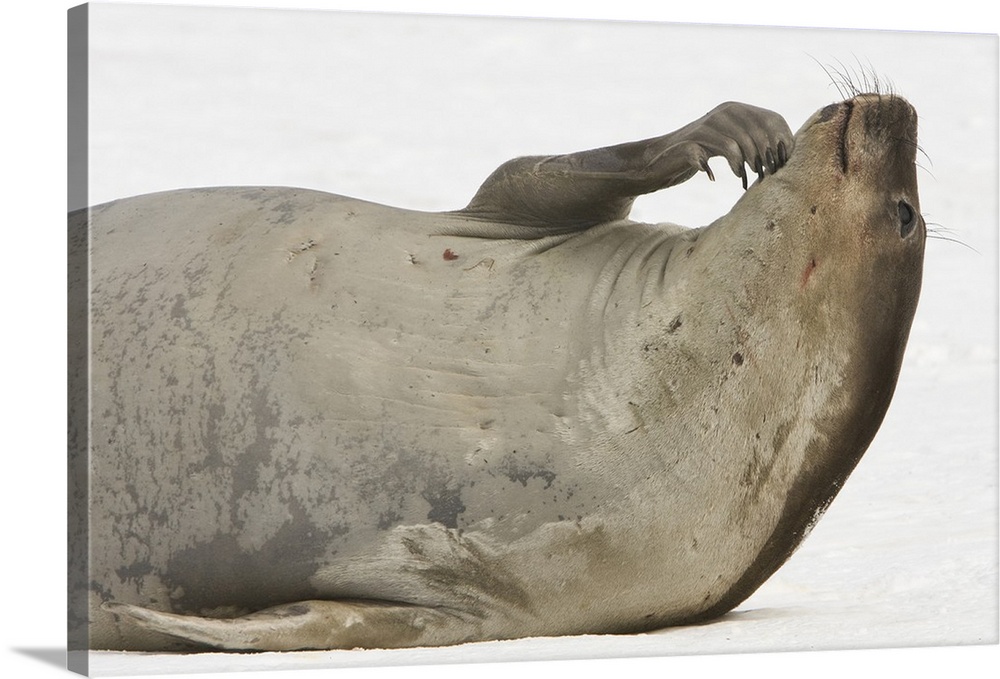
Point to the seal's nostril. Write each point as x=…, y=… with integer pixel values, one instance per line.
x=828, y=112
x=907, y=218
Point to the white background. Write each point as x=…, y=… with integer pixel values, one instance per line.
x=907, y=553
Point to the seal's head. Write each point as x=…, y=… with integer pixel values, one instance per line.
x=862, y=234
x=836, y=243
x=850, y=237
x=846, y=212
x=865, y=150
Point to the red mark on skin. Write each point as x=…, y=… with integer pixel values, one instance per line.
x=449, y=255
x=807, y=272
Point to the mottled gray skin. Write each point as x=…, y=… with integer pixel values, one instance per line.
x=319, y=423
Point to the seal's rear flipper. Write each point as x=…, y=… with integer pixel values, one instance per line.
x=311, y=625
x=572, y=192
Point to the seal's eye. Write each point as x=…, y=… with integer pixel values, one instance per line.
x=907, y=218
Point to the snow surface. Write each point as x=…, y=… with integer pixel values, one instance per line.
x=416, y=111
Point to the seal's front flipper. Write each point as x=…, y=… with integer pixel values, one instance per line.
x=740, y=133
x=560, y=194
x=311, y=625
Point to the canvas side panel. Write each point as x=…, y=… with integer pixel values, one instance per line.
x=77, y=435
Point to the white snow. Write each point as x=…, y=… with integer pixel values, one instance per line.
x=416, y=111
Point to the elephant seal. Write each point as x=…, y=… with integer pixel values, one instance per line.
x=319, y=423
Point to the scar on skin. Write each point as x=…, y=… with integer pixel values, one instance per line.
x=449, y=255
x=301, y=247
x=487, y=262
x=807, y=272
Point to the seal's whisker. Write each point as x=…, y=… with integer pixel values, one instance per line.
x=921, y=151
x=906, y=141
x=925, y=169
x=875, y=85
x=844, y=79
x=873, y=82
x=854, y=76
x=909, y=141
x=833, y=80
x=845, y=85
x=938, y=228
x=937, y=231
x=937, y=236
x=852, y=81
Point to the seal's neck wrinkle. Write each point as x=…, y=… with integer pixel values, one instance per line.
x=634, y=270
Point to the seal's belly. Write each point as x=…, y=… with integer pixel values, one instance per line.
x=278, y=381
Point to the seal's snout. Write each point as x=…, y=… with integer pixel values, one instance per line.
x=879, y=134
x=887, y=115
x=872, y=133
